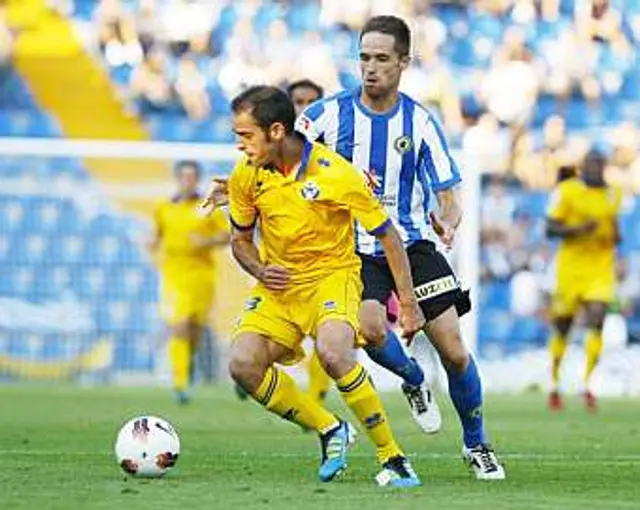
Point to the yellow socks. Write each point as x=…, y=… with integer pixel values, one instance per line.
x=593, y=348
x=280, y=395
x=359, y=394
x=319, y=381
x=180, y=356
x=557, y=348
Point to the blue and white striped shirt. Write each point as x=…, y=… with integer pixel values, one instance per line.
x=404, y=151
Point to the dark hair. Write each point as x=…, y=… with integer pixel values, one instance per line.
x=187, y=163
x=566, y=172
x=267, y=105
x=390, y=25
x=305, y=84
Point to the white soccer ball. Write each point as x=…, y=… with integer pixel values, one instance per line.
x=147, y=446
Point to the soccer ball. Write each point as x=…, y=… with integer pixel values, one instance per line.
x=147, y=446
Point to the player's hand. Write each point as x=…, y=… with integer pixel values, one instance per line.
x=275, y=277
x=217, y=195
x=199, y=241
x=586, y=228
x=445, y=232
x=411, y=319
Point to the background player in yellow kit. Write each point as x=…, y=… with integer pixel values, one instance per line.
x=583, y=213
x=185, y=243
x=302, y=94
x=307, y=198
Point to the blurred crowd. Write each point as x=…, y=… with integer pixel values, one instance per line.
x=485, y=68
x=523, y=87
x=6, y=40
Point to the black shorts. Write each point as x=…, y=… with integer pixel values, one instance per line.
x=434, y=282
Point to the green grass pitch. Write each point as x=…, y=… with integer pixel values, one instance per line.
x=56, y=453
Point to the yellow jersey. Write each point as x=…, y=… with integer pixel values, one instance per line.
x=307, y=217
x=176, y=221
x=573, y=203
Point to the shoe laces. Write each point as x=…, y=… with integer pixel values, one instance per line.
x=416, y=398
x=486, y=457
x=400, y=466
x=333, y=444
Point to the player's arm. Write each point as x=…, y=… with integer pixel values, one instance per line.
x=558, y=212
x=156, y=235
x=217, y=232
x=312, y=122
x=444, y=177
x=368, y=211
x=446, y=221
x=243, y=215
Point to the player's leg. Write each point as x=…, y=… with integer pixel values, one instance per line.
x=264, y=336
x=465, y=390
x=443, y=302
x=251, y=365
x=334, y=344
x=180, y=356
x=595, y=315
x=557, y=349
x=383, y=345
x=336, y=326
x=319, y=381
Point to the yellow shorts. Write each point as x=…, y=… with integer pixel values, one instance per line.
x=187, y=299
x=288, y=317
x=574, y=290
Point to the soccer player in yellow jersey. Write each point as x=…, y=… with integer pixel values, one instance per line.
x=583, y=214
x=305, y=199
x=185, y=243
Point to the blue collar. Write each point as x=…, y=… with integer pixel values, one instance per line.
x=304, y=163
x=370, y=113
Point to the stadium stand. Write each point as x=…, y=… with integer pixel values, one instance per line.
x=177, y=65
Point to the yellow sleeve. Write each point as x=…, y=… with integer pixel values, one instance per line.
x=353, y=193
x=242, y=210
x=559, y=207
x=217, y=222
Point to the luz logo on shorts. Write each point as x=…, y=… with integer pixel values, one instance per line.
x=329, y=305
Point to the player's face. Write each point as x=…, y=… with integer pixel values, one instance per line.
x=259, y=145
x=593, y=172
x=188, y=180
x=380, y=65
x=303, y=97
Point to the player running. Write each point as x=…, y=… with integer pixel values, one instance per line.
x=185, y=243
x=308, y=277
x=401, y=147
x=583, y=214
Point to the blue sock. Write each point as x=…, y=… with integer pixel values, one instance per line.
x=392, y=357
x=466, y=393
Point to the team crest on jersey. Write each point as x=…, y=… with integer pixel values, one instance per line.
x=324, y=162
x=310, y=190
x=403, y=144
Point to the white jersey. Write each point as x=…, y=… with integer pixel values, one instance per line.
x=403, y=151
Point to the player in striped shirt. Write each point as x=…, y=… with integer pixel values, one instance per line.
x=403, y=152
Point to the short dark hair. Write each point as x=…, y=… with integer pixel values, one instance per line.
x=390, y=25
x=187, y=163
x=305, y=84
x=267, y=105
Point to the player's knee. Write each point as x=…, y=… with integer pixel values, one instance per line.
x=335, y=348
x=373, y=324
x=455, y=357
x=247, y=368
